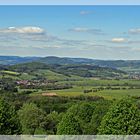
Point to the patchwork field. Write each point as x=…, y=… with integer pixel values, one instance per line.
x=109, y=89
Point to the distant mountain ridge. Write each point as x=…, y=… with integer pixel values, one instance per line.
x=121, y=64
x=64, y=60
x=11, y=60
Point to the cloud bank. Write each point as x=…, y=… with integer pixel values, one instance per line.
x=87, y=30
x=118, y=40
x=23, y=30
x=134, y=31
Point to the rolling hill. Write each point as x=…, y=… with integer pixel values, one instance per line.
x=11, y=60
x=67, y=70
x=125, y=65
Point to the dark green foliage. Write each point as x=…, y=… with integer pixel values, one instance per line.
x=81, y=113
x=69, y=126
x=100, y=110
x=51, y=122
x=60, y=104
x=9, y=122
x=8, y=84
x=31, y=118
x=87, y=115
x=28, y=67
x=122, y=119
x=85, y=70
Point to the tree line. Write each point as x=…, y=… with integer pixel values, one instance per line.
x=88, y=117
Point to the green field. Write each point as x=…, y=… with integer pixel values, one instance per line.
x=108, y=94
x=98, y=82
x=127, y=87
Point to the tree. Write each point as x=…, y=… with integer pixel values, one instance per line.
x=100, y=110
x=76, y=120
x=51, y=122
x=8, y=84
x=69, y=126
x=9, y=122
x=122, y=119
x=31, y=118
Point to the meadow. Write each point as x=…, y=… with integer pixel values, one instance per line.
x=118, y=88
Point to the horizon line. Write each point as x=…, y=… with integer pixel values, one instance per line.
x=71, y=57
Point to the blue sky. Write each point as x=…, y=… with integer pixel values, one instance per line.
x=71, y=2
x=99, y=32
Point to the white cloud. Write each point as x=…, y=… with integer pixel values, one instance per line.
x=118, y=40
x=23, y=30
x=84, y=12
x=79, y=29
x=134, y=31
x=87, y=30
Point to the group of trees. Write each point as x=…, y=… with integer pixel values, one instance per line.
x=46, y=85
x=101, y=88
x=9, y=121
x=87, y=118
x=8, y=84
x=82, y=118
x=28, y=120
x=123, y=118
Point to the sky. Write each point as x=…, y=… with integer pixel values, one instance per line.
x=70, y=2
x=98, y=32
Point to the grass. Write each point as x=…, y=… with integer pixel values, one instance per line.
x=50, y=75
x=117, y=94
x=107, y=94
x=26, y=76
x=130, y=69
x=15, y=75
x=10, y=72
x=10, y=76
x=76, y=91
x=97, y=82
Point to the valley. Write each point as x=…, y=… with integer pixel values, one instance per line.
x=74, y=77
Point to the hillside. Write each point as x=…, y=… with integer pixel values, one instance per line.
x=125, y=65
x=65, y=60
x=11, y=60
x=68, y=70
x=121, y=64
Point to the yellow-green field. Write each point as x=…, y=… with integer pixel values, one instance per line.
x=9, y=72
x=108, y=94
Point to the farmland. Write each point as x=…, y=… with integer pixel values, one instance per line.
x=66, y=81
x=109, y=89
